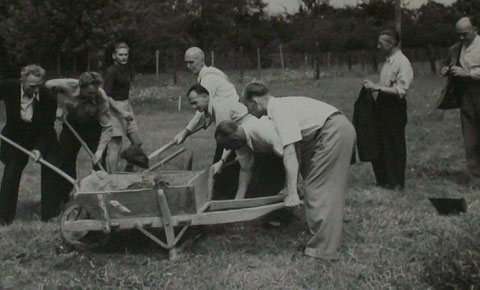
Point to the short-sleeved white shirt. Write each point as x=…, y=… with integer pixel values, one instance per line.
x=226, y=110
x=217, y=84
x=470, y=57
x=219, y=88
x=297, y=117
x=397, y=72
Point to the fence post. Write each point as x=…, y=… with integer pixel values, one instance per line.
x=259, y=64
x=281, y=57
x=157, y=63
x=213, y=58
x=317, y=60
x=174, y=67
x=306, y=59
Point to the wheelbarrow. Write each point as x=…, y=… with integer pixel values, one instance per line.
x=165, y=200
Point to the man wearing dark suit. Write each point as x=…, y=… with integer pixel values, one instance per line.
x=31, y=112
x=463, y=91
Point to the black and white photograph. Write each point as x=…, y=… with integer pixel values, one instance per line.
x=240, y=144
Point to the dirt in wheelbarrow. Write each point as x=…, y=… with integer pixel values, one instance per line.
x=101, y=181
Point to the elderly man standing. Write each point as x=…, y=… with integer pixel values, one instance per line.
x=30, y=110
x=220, y=89
x=463, y=90
x=86, y=108
x=318, y=141
x=390, y=110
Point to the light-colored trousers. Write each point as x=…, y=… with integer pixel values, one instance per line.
x=325, y=163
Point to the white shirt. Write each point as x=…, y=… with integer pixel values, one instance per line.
x=217, y=84
x=297, y=117
x=261, y=137
x=397, y=72
x=26, y=105
x=219, y=88
x=470, y=57
x=219, y=111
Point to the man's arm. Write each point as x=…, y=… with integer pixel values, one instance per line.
x=246, y=160
x=104, y=120
x=197, y=121
x=290, y=161
x=116, y=107
x=218, y=165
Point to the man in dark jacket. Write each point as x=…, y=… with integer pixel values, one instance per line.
x=463, y=91
x=30, y=111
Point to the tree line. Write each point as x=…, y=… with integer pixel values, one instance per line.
x=71, y=36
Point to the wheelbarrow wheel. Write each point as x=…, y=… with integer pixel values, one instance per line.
x=80, y=240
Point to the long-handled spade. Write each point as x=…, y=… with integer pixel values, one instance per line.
x=41, y=160
x=84, y=145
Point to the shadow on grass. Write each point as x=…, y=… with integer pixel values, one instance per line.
x=460, y=177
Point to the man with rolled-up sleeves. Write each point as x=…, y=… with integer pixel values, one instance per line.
x=318, y=141
x=390, y=111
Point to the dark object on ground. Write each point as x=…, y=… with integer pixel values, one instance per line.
x=135, y=155
x=447, y=206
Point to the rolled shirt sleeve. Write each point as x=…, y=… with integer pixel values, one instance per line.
x=397, y=73
x=404, y=79
x=198, y=119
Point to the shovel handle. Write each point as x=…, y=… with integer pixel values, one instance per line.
x=170, y=144
x=84, y=145
x=41, y=160
x=165, y=160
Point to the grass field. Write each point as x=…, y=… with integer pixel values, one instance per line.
x=391, y=239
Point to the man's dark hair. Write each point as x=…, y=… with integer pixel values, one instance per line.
x=197, y=88
x=225, y=132
x=393, y=34
x=255, y=89
x=90, y=78
x=119, y=45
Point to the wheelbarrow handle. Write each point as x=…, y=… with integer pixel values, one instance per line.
x=41, y=160
x=170, y=144
x=84, y=145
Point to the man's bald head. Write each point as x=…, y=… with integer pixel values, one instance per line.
x=194, y=59
x=465, y=30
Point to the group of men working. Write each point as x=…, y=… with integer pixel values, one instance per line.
x=98, y=116
x=312, y=139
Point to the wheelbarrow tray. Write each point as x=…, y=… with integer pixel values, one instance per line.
x=182, y=199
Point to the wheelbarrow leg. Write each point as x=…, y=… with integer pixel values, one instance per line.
x=167, y=225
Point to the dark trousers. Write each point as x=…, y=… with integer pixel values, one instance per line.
x=391, y=117
x=268, y=177
x=69, y=148
x=470, y=119
x=15, y=161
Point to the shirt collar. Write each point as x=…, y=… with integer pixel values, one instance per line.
x=475, y=42
x=393, y=56
x=23, y=95
x=202, y=72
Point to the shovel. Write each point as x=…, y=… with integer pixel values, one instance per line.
x=41, y=160
x=84, y=145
